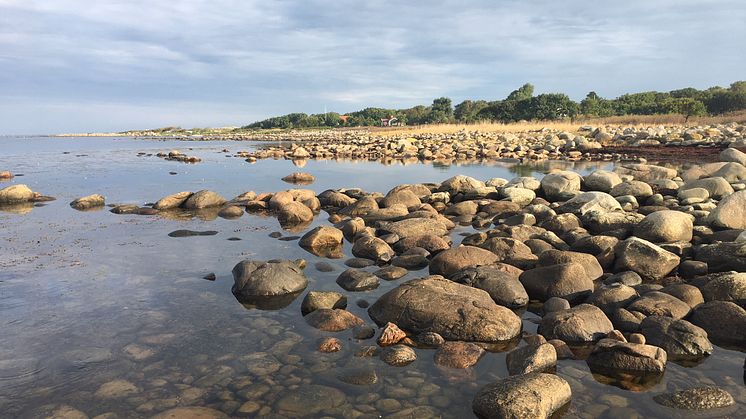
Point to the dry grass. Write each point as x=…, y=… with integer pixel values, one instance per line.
x=639, y=121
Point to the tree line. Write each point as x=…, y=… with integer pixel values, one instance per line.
x=522, y=104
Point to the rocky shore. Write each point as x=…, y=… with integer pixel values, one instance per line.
x=627, y=270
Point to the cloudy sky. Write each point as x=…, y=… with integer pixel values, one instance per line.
x=81, y=66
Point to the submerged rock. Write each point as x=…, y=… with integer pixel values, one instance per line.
x=535, y=395
x=88, y=202
x=266, y=279
x=332, y=320
x=398, y=355
x=531, y=358
x=611, y=357
x=696, y=398
x=458, y=354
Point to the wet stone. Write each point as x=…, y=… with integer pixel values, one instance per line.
x=308, y=400
x=358, y=376
x=391, y=273
x=697, y=398
x=359, y=263
x=324, y=267
x=398, y=355
x=191, y=233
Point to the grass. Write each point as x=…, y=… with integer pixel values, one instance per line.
x=638, y=121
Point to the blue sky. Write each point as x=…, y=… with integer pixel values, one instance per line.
x=81, y=66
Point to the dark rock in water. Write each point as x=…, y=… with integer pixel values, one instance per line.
x=410, y=262
x=358, y=376
x=231, y=212
x=172, y=173
x=727, y=286
x=359, y=263
x=315, y=300
x=146, y=211
x=455, y=311
x=531, y=358
x=210, y=277
x=324, y=267
x=679, y=338
x=583, y=323
x=309, y=400
x=190, y=233
x=534, y=395
x=503, y=286
x=191, y=412
x=398, y=355
x=299, y=178
x=288, y=238
x=125, y=209
x=275, y=234
x=391, y=273
x=234, y=239
x=363, y=331
x=429, y=340
x=272, y=284
x=333, y=320
x=362, y=303
x=357, y=280
x=458, y=354
x=697, y=398
x=724, y=322
x=611, y=357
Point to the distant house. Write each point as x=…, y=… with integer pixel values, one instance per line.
x=390, y=122
x=344, y=118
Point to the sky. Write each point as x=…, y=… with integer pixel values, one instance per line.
x=92, y=66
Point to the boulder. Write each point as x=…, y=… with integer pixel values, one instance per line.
x=458, y=354
x=460, y=183
x=357, y=280
x=609, y=298
x=429, y=242
x=535, y=395
x=455, y=311
x=299, y=178
x=656, y=303
x=15, y=194
x=724, y=322
x=602, y=181
x=511, y=251
x=726, y=286
x=413, y=227
x=373, y=248
x=733, y=155
x=403, y=197
x=582, y=323
x=666, y=226
x=203, y=199
x=566, y=280
x=648, y=260
x=531, y=358
x=398, y=355
x=450, y=261
x=560, y=185
x=610, y=357
x=730, y=212
x=172, y=201
x=556, y=257
x=716, y=186
x=590, y=201
x=332, y=320
x=253, y=279
x=640, y=190
x=696, y=398
x=723, y=256
x=504, y=287
x=315, y=300
x=679, y=338
x=323, y=238
x=294, y=213
x=88, y=202
x=646, y=172
x=230, y=212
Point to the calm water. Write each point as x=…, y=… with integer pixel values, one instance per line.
x=91, y=297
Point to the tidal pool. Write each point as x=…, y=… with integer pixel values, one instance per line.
x=106, y=313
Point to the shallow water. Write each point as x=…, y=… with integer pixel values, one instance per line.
x=91, y=297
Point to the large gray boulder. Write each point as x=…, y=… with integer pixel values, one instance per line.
x=373, y=248
x=450, y=261
x=15, y=194
x=582, y=323
x=414, y=227
x=724, y=256
x=455, y=311
x=602, y=181
x=640, y=190
x=666, y=226
x=646, y=172
x=566, y=280
x=656, y=303
x=730, y=212
x=716, y=186
x=611, y=356
x=535, y=395
x=679, y=338
x=590, y=201
x=733, y=155
x=503, y=286
x=609, y=298
x=724, y=322
x=648, y=260
x=561, y=185
x=88, y=202
x=253, y=279
x=726, y=286
x=460, y=183
x=203, y=199
x=556, y=257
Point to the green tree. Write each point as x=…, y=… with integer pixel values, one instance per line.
x=468, y=110
x=441, y=111
x=524, y=92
